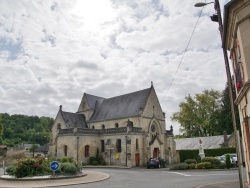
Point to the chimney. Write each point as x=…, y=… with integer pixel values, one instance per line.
x=171, y=129
x=60, y=107
x=225, y=139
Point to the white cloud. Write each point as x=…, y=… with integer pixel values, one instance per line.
x=52, y=52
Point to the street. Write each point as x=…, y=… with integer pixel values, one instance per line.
x=158, y=178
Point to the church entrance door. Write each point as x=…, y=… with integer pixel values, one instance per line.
x=137, y=159
x=155, y=152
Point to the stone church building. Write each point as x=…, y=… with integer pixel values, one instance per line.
x=127, y=129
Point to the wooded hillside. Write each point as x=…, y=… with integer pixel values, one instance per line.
x=20, y=129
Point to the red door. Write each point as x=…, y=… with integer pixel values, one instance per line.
x=137, y=159
x=155, y=152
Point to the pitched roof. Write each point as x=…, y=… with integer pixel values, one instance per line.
x=43, y=148
x=92, y=99
x=193, y=143
x=121, y=106
x=71, y=118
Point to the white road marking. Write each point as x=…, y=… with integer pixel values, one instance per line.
x=185, y=174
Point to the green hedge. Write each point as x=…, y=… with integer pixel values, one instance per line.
x=204, y=165
x=192, y=154
x=214, y=161
x=179, y=166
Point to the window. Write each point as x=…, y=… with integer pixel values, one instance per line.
x=136, y=144
x=116, y=125
x=86, y=154
x=119, y=145
x=65, y=148
x=235, y=56
x=93, y=127
x=102, y=145
x=103, y=126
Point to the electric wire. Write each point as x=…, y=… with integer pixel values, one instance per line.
x=171, y=83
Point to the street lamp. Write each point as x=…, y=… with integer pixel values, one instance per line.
x=217, y=18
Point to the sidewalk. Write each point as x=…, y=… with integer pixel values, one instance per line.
x=233, y=184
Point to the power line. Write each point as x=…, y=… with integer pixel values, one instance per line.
x=183, y=54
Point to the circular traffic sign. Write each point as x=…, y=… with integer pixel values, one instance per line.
x=54, y=166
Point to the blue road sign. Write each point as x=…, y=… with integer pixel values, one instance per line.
x=54, y=166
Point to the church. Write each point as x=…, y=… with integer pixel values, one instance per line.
x=127, y=130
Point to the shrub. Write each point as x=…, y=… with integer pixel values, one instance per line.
x=179, y=166
x=28, y=167
x=228, y=161
x=91, y=160
x=214, y=161
x=103, y=163
x=221, y=166
x=204, y=165
x=84, y=164
x=10, y=170
x=64, y=159
x=69, y=168
x=95, y=163
x=198, y=158
x=71, y=160
x=190, y=161
x=192, y=166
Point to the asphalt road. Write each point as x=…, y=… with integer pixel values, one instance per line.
x=157, y=178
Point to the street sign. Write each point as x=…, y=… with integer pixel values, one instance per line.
x=54, y=166
x=110, y=148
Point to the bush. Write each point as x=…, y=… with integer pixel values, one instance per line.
x=228, y=161
x=188, y=154
x=179, y=166
x=64, y=159
x=95, y=163
x=68, y=168
x=103, y=163
x=84, y=164
x=221, y=166
x=198, y=158
x=204, y=165
x=28, y=167
x=91, y=160
x=10, y=170
x=193, y=154
x=192, y=166
x=190, y=161
x=214, y=161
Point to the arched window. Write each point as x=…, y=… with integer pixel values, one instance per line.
x=136, y=144
x=93, y=127
x=116, y=125
x=103, y=126
x=86, y=153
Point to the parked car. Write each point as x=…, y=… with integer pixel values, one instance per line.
x=233, y=157
x=156, y=162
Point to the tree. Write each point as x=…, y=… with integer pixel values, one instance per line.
x=33, y=149
x=199, y=116
x=226, y=122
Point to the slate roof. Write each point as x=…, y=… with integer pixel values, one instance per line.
x=44, y=148
x=71, y=118
x=92, y=99
x=193, y=143
x=121, y=106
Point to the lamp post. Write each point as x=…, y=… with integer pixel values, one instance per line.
x=217, y=18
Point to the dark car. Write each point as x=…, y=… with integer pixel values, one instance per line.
x=156, y=162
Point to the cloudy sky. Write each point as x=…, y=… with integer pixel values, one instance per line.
x=52, y=51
